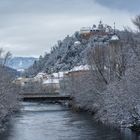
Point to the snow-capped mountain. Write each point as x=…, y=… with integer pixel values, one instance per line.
x=21, y=63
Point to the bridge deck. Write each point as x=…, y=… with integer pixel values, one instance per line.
x=44, y=97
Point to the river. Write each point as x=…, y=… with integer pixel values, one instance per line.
x=45, y=121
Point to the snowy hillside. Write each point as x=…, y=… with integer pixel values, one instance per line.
x=72, y=50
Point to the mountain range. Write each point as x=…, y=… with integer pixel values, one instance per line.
x=21, y=63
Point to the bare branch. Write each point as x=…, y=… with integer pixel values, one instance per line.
x=136, y=22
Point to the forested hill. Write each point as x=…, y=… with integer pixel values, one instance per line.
x=70, y=52
x=14, y=73
x=63, y=56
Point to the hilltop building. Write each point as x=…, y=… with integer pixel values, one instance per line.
x=100, y=30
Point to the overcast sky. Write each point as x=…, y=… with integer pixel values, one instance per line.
x=32, y=27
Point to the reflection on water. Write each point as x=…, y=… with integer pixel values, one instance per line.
x=53, y=122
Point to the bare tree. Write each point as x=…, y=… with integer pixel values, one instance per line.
x=8, y=90
x=6, y=58
x=96, y=59
x=136, y=22
x=132, y=41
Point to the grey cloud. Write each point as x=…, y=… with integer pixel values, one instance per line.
x=130, y=5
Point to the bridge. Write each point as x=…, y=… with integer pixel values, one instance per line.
x=49, y=97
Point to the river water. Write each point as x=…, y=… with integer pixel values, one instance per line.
x=44, y=121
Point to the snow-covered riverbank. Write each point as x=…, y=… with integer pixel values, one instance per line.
x=118, y=105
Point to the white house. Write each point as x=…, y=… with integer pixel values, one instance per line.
x=85, y=30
